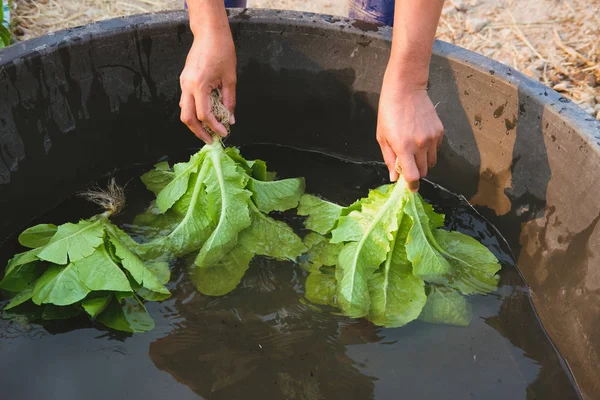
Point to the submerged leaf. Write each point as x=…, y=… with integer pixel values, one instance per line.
x=127, y=314
x=320, y=288
x=320, y=252
x=446, y=306
x=474, y=266
x=37, y=236
x=95, y=305
x=224, y=275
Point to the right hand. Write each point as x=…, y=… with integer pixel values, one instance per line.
x=210, y=64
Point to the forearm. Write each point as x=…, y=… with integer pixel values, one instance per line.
x=207, y=15
x=415, y=24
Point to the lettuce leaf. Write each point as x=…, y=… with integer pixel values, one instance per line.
x=222, y=214
x=397, y=295
x=78, y=267
x=393, y=248
x=446, y=306
x=368, y=235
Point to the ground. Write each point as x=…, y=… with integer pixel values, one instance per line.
x=555, y=41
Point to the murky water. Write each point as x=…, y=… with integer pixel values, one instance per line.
x=262, y=341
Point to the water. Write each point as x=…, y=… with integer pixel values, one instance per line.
x=262, y=341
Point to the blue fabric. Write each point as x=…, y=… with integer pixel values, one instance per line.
x=378, y=11
x=228, y=3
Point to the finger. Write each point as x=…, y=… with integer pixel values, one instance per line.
x=421, y=160
x=432, y=156
x=229, y=100
x=389, y=157
x=410, y=172
x=204, y=113
x=188, y=117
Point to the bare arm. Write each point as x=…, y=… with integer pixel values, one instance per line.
x=409, y=130
x=211, y=64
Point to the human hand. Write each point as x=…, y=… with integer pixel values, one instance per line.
x=210, y=64
x=409, y=131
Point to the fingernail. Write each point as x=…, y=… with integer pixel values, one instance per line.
x=391, y=177
x=413, y=186
x=232, y=119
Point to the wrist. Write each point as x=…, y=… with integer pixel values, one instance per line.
x=209, y=18
x=405, y=72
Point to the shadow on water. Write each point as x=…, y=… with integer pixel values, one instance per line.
x=262, y=341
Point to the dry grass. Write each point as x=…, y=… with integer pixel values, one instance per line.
x=37, y=17
x=555, y=41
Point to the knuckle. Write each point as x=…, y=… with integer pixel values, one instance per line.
x=422, y=141
x=202, y=116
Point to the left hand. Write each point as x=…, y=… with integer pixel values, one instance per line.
x=409, y=130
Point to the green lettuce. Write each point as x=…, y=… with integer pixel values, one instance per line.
x=89, y=266
x=216, y=205
x=387, y=258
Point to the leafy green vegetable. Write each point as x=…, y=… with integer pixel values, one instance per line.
x=392, y=247
x=126, y=314
x=322, y=215
x=474, y=266
x=37, y=236
x=321, y=252
x=397, y=296
x=72, y=242
x=217, y=204
x=95, y=305
x=321, y=288
x=422, y=249
x=368, y=234
x=79, y=267
x=446, y=306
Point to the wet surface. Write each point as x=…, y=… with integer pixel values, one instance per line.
x=263, y=341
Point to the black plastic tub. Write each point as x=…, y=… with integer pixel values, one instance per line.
x=78, y=104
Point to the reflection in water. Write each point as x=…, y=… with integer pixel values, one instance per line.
x=262, y=341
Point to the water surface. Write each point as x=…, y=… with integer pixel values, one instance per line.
x=263, y=341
